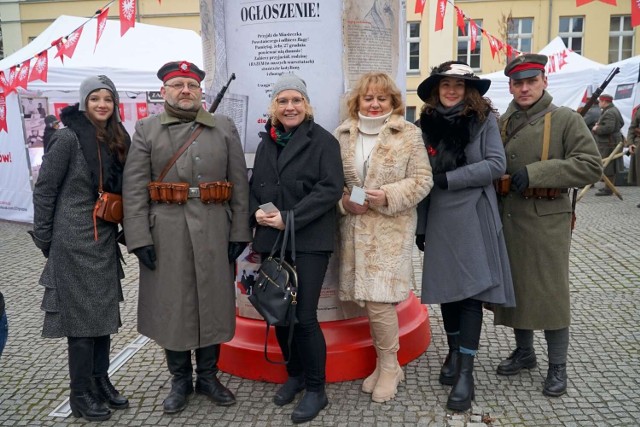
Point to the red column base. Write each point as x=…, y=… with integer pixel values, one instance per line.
x=350, y=352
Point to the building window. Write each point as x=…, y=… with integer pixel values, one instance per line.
x=572, y=32
x=413, y=46
x=410, y=114
x=520, y=34
x=464, y=46
x=620, y=38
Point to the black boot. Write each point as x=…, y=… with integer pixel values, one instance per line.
x=556, y=383
x=179, y=363
x=287, y=392
x=520, y=358
x=462, y=392
x=108, y=393
x=309, y=406
x=448, y=370
x=82, y=401
x=86, y=405
x=207, y=382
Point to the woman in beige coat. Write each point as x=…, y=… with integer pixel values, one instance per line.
x=383, y=157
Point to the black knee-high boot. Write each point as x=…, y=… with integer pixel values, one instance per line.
x=103, y=387
x=462, y=392
x=82, y=400
x=179, y=364
x=207, y=382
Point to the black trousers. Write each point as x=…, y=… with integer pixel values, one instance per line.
x=88, y=357
x=308, y=355
x=464, y=317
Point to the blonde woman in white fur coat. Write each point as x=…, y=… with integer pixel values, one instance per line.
x=384, y=155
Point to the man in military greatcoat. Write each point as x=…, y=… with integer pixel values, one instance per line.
x=186, y=236
x=608, y=135
x=537, y=215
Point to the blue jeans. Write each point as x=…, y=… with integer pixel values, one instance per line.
x=4, y=331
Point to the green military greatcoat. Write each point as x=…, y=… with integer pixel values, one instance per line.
x=538, y=231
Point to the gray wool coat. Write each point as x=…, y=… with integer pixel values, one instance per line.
x=188, y=301
x=81, y=277
x=465, y=255
x=538, y=231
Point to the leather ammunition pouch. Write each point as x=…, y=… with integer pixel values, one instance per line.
x=215, y=192
x=168, y=192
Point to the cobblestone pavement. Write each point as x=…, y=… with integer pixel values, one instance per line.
x=604, y=383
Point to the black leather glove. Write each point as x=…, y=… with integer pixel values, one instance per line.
x=440, y=179
x=420, y=241
x=147, y=256
x=520, y=180
x=235, y=249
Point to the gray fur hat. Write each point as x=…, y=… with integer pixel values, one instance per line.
x=93, y=83
x=289, y=82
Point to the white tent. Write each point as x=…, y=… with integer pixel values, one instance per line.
x=130, y=61
x=569, y=74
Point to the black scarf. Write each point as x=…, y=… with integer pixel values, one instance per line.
x=446, y=135
x=112, y=168
x=178, y=113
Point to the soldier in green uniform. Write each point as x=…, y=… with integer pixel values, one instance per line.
x=607, y=135
x=537, y=214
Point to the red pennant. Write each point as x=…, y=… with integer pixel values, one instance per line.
x=22, y=76
x=8, y=81
x=460, y=19
x=441, y=9
x=3, y=82
x=420, y=6
x=3, y=113
x=635, y=13
x=492, y=44
x=127, y=15
x=72, y=42
x=473, y=34
x=40, y=67
x=510, y=51
x=59, y=44
x=141, y=110
x=582, y=2
x=101, y=25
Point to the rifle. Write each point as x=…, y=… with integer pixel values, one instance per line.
x=216, y=102
x=596, y=94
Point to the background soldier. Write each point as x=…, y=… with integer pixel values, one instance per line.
x=538, y=229
x=607, y=134
x=187, y=298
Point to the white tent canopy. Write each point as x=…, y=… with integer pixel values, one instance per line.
x=569, y=74
x=130, y=61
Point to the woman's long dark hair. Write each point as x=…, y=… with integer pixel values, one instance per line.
x=111, y=134
x=474, y=103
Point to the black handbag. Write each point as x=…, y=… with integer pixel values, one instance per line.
x=275, y=291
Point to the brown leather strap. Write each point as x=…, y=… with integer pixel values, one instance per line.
x=179, y=153
x=535, y=117
x=546, y=136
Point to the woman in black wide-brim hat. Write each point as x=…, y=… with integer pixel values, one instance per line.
x=459, y=228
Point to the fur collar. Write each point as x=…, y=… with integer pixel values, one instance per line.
x=84, y=130
x=446, y=140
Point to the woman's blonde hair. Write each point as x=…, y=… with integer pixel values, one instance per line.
x=380, y=81
x=273, y=107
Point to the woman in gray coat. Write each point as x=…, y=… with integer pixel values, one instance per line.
x=459, y=227
x=82, y=274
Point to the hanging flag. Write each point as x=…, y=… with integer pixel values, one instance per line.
x=635, y=13
x=460, y=19
x=59, y=44
x=510, y=52
x=420, y=6
x=3, y=113
x=473, y=34
x=22, y=76
x=72, y=42
x=40, y=68
x=3, y=82
x=8, y=81
x=101, y=25
x=441, y=9
x=492, y=44
x=127, y=15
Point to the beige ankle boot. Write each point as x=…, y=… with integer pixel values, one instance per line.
x=391, y=374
